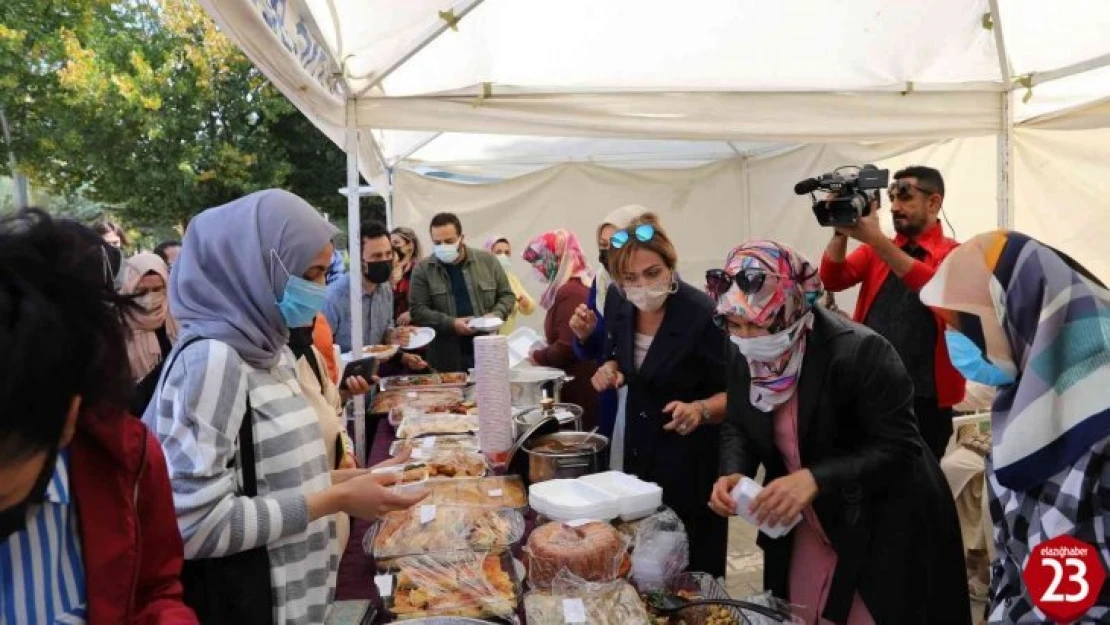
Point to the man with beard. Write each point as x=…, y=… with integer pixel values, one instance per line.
x=890, y=273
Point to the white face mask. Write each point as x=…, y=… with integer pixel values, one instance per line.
x=151, y=302
x=504, y=260
x=768, y=348
x=447, y=252
x=648, y=298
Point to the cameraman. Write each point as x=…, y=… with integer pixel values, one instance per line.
x=891, y=273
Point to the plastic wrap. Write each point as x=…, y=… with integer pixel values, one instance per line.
x=660, y=551
x=431, y=445
x=416, y=424
x=698, y=586
x=488, y=492
x=612, y=603
x=471, y=585
x=768, y=600
x=430, y=528
x=423, y=381
x=429, y=400
x=591, y=550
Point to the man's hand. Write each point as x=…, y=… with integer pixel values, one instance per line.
x=583, y=322
x=785, y=498
x=866, y=230
x=721, y=501
x=357, y=385
x=414, y=362
x=401, y=335
x=405, y=319
x=461, y=327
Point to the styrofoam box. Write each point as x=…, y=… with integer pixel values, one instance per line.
x=745, y=493
x=636, y=498
x=567, y=500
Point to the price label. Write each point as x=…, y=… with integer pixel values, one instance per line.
x=496, y=492
x=419, y=453
x=384, y=584
x=1064, y=577
x=427, y=513
x=574, y=611
x=429, y=442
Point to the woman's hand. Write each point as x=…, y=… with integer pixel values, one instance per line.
x=721, y=501
x=413, y=362
x=357, y=385
x=784, y=499
x=607, y=377
x=685, y=418
x=368, y=496
x=583, y=322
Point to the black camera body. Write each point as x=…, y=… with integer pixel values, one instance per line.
x=851, y=194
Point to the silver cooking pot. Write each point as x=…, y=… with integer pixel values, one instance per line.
x=569, y=416
x=564, y=455
x=527, y=385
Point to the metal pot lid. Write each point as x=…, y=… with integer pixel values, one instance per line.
x=547, y=425
x=528, y=375
x=563, y=412
x=596, y=442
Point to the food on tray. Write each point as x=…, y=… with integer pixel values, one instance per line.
x=698, y=615
x=562, y=447
x=380, y=349
x=475, y=585
x=488, y=492
x=449, y=528
x=416, y=425
x=425, y=400
x=456, y=464
x=438, y=444
x=616, y=603
x=593, y=551
x=426, y=379
x=453, y=378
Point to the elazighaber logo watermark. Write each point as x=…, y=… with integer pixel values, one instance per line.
x=1064, y=577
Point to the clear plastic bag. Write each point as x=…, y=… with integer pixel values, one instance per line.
x=610, y=603
x=591, y=551
x=430, y=528
x=432, y=445
x=416, y=424
x=494, y=491
x=473, y=585
x=768, y=600
x=660, y=551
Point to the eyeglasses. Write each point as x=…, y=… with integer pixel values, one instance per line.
x=642, y=232
x=749, y=281
x=902, y=190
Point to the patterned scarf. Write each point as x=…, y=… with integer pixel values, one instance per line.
x=783, y=304
x=557, y=258
x=1034, y=314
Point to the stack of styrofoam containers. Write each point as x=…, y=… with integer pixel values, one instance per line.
x=636, y=498
x=491, y=389
x=603, y=496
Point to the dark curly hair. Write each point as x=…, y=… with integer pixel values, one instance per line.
x=61, y=331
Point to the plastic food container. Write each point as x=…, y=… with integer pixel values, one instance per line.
x=636, y=498
x=570, y=500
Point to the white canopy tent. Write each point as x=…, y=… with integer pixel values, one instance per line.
x=745, y=88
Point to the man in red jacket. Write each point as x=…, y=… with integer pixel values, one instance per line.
x=87, y=525
x=891, y=272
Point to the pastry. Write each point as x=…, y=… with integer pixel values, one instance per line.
x=452, y=528
x=615, y=603
x=593, y=551
x=474, y=585
x=416, y=425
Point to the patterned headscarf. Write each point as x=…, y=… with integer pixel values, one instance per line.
x=1038, y=315
x=784, y=304
x=557, y=258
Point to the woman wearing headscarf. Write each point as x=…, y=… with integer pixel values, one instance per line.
x=663, y=346
x=826, y=407
x=230, y=409
x=559, y=263
x=588, y=322
x=1048, y=473
x=151, y=330
x=500, y=247
x=406, y=253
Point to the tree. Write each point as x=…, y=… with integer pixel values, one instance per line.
x=148, y=109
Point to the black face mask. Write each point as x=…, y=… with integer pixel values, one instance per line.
x=378, y=272
x=14, y=519
x=603, y=257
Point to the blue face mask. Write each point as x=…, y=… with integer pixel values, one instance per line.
x=447, y=253
x=301, y=301
x=969, y=361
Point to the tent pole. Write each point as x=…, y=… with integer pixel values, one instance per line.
x=353, y=250
x=1006, y=133
x=389, y=201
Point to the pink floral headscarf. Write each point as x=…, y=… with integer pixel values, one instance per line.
x=557, y=258
x=785, y=303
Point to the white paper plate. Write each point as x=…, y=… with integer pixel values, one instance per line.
x=386, y=355
x=420, y=338
x=485, y=324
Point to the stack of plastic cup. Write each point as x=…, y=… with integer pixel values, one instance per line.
x=491, y=386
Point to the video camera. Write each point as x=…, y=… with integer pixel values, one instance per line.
x=852, y=193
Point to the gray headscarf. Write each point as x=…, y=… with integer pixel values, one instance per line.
x=227, y=282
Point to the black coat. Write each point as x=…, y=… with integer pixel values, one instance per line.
x=882, y=499
x=687, y=361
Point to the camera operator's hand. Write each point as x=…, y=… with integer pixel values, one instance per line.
x=866, y=230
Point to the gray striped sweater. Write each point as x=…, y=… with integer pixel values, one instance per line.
x=196, y=417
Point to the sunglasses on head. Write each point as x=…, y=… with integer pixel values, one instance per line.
x=642, y=232
x=903, y=190
x=749, y=281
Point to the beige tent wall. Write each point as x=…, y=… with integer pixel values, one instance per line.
x=706, y=210
x=1062, y=191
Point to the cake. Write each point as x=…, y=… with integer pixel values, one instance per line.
x=593, y=551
